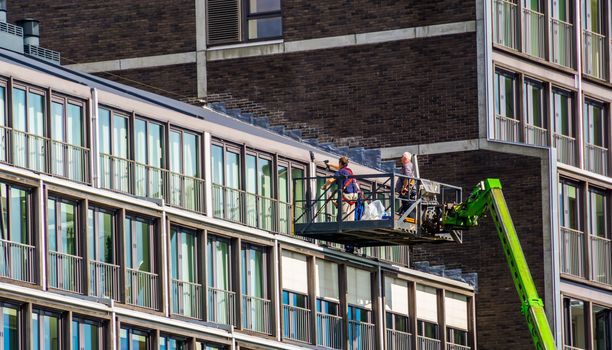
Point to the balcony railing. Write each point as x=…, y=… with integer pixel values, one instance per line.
x=221, y=306
x=296, y=323
x=41, y=154
x=256, y=314
x=394, y=254
x=17, y=261
x=505, y=15
x=424, y=343
x=361, y=335
x=562, y=43
x=329, y=331
x=567, y=347
x=187, y=299
x=65, y=272
x=535, y=135
x=601, y=260
x=506, y=129
x=533, y=33
x=127, y=176
x=596, y=159
x=142, y=289
x=457, y=347
x=103, y=280
x=566, y=149
x=398, y=340
x=593, y=54
x=572, y=252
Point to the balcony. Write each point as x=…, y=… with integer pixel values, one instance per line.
x=593, y=54
x=572, y=252
x=256, y=314
x=221, y=306
x=533, y=33
x=187, y=299
x=44, y=155
x=457, y=347
x=329, y=331
x=103, y=280
x=506, y=129
x=65, y=272
x=424, y=343
x=566, y=149
x=505, y=18
x=596, y=159
x=535, y=135
x=398, y=340
x=142, y=288
x=601, y=260
x=361, y=335
x=296, y=323
x=562, y=43
x=17, y=261
x=127, y=176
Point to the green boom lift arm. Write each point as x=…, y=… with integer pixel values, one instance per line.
x=488, y=194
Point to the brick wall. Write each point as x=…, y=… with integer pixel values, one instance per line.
x=389, y=94
x=500, y=324
x=88, y=31
x=312, y=19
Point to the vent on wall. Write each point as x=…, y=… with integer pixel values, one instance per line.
x=223, y=22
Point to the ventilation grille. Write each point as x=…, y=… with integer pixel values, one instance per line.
x=223, y=22
x=11, y=29
x=43, y=53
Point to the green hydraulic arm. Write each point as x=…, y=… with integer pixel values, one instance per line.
x=488, y=195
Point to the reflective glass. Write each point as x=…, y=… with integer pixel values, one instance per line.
x=217, y=164
x=19, y=109
x=10, y=330
x=120, y=136
x=74, y=125
x=260, y=6
x=190, y=154
x=262, y=28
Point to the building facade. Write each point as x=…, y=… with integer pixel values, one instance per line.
x=518, y=90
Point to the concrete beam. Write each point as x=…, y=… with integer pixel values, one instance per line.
x=135, y=63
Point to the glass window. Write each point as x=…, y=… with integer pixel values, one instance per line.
x=264, y=19
x=427, y=329
x=569, y=205
x=563, y=10
x=14, y=205
x=592, y=15
x=61, y=231
x=45, y=330
x=148, y=150
x=9, y=327
x=505, y=90
x=457, y=336
x=133, y=339
x=602, y=328
x=254, y=271
x=172, y=343
x=533, y=102
x=101, y=228
x=184, y=153
x=183, y=254
x=563, y=113
x=139, y=244
x=218, y=263
x=594, y=124
x=86, y=335
x=398, y=322
x=575, y=326
x=2, y=105
x=598, y=207
x=114, y=149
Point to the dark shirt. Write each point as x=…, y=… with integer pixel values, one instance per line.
x=343, y=176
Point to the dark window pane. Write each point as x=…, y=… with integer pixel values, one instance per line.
x=262, y=28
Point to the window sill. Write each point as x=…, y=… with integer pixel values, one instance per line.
x=246, y=44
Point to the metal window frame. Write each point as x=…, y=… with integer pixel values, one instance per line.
x=5, y=228
x=96, y=209
x=20, y=328
x=57, y=202
x=178, y=258
x=148, y=122
x=246, y=248
x=41, y=328
x=247, y=15
x=131, y=219
x=81, y=322
x=211, y=238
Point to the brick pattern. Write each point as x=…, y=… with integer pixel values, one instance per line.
x=390, y=94
x=500, y=324
x=313, y=19
x=89, y=31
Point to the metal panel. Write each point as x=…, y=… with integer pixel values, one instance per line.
x=223, y=21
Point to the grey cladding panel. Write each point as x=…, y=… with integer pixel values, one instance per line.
x=223, y=21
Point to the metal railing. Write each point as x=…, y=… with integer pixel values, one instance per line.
x=127, y=176
x=65, y=271
x=424, y=343
x=601, y=260
x=17, y=261
x=398, y=340
x=562, y=42
x=596, y=159
x=104, y=280
x=296, y=323
x=566, y=149
x=505, y=20
x=361, y=335
x=533, y=33
x=329, y=331
x=535, y=135
x=69, y=161
x=457, y=347
x=256, y=314
x=187, y=299
x=506, y=129
x=221, y=306
x=593, y=54
x=572, y=252
x=394, y=254
x=142, y=289
x=567, y=347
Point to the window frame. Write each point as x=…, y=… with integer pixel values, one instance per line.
x=41, y=312
x=19, y=316
x=5, y=228
x=212, y=264
x=81, y=321
x=247, y=16
x=246, y=289
x=58, y=201
x=132, y=218
x=178, y=259
x=96, y=234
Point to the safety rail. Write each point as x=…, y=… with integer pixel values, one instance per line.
x=296, y=323
x=330, y=331
x=601, y=260
x=425, y=343
x=186, y=299
x=450, y=346
x=221, y=306
x=533, y=33
x=567, y=347
x=142, y=289
x=128, y=176
x=596, y=159
x=65, y=271
x=256, y=314
x=535, y=135
x=506, y=129
x=594, y=50
x=505, y=19
x=11, y=29
x=394, y=254
x=361, y=335
x=562, y=42
x=572, y=252
x=69, y=161
x=17, y=261
x=399, y=340
x=566, y=149
x=104, y=280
